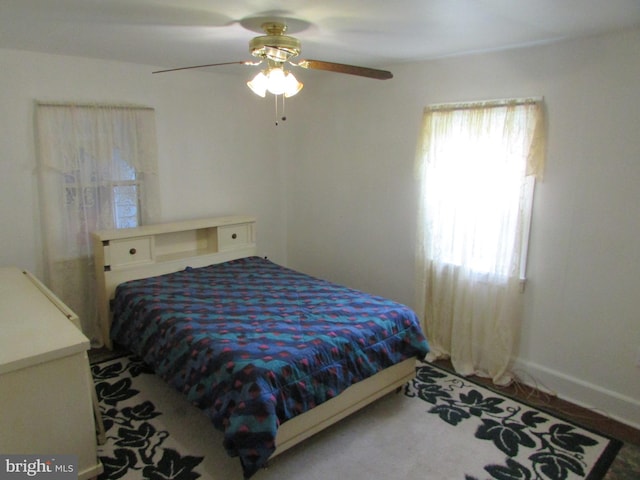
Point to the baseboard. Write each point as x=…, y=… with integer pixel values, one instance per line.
x=612, y=404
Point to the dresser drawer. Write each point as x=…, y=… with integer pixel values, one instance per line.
x=130, y=251
x=232, y=236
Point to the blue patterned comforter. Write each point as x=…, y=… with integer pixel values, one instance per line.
x=254, y=344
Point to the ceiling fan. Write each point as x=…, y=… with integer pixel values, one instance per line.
x=275, y=49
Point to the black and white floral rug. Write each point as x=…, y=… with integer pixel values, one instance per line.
x=442, y=427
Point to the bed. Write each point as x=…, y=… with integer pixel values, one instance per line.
x=270, y=354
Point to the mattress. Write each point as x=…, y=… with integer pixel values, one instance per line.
x=254, y=344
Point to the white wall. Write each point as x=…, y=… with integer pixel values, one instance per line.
x=215, y=155
x=352, y=205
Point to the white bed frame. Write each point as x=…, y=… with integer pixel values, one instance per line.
x=129, y=254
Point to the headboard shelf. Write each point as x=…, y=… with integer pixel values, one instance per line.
x=131, y=253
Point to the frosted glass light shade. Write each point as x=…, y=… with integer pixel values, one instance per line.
x=259, y=84
x=291, y=85
x=276, y=81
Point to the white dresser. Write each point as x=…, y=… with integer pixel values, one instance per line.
x=45, y=383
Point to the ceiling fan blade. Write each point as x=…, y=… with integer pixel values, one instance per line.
x=209, y=65
x=342, y=68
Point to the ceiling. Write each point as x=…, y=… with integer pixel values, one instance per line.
x=373, y=33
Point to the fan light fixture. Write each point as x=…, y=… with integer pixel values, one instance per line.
x=276, y=49
x=275, y=80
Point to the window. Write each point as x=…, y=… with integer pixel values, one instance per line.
x=98, y=197
x=98, y=170
x=125, y=193
x=476, y=164
x=477, y=196
x=126, y=207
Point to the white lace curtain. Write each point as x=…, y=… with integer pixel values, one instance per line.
x=97, y=168
x=476, y=164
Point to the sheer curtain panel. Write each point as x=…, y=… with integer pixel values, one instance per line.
x=97, y=167
x=476, y=164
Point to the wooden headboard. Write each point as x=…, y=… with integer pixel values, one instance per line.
x=132, y=253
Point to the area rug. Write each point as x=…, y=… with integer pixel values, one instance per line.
x=441, y=427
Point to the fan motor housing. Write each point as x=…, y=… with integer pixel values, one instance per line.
x=275, y=45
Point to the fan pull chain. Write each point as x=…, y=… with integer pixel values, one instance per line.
x=275, y=97
x=284, y=117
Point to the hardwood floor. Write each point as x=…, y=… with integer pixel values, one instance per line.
x=626, y=466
